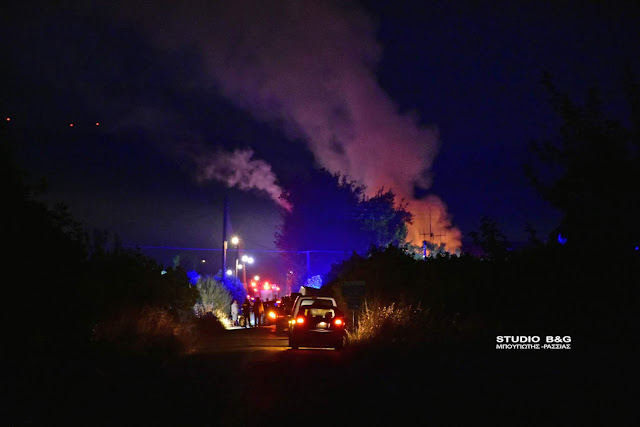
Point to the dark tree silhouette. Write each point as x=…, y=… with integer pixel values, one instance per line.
x=491, y=239
x=64, y=280
x=592, y=174
x=331, y=213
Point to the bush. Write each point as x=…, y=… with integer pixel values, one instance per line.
x=404, y=325
x=215, y=299
x=149, y=331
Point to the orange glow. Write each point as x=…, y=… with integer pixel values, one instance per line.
x=272, y=315
x=70, y=125
x=97, y=123
x=8, y=119
x=266, y=286
x=300, y=320
x=338, y=322
x=433, y=223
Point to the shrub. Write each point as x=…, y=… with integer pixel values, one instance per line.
x=214, y=299
x=402, y=324
x=150, y=331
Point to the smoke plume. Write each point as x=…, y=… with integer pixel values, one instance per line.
x=309, y=67
x=239, y=169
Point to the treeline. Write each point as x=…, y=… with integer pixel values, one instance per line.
x=535, y=291
x=66, y=287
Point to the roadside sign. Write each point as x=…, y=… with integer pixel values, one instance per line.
x=354, y=303
x=353, y=292
x=353, y=289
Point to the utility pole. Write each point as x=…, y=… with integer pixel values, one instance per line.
x=308, y=261
x=225, y=221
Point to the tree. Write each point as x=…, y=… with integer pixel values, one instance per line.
x=337, y=216
x=385, y=221
x=592, y=173
x=491, y=239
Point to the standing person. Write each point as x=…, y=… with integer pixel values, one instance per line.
x=246, y=312
x=234, y=312
x=258, y=309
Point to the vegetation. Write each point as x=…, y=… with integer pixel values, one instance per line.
x=337, y=214
x=581, y=283
x=75, y=289
x=402, y=325
x=214, y=299
x=592, y=173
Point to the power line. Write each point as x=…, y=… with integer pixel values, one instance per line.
x=233, y=249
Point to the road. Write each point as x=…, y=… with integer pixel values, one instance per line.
x=264, y=377
x=250, y=377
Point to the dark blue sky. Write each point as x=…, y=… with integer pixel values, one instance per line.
x=470, y=68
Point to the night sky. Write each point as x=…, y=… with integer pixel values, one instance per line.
x=436, y=100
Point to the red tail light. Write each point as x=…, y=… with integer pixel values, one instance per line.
x=338, y=322
x=300, y=320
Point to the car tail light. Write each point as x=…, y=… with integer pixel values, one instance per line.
x=338, y=322
x=272, y=315
x=300, y=320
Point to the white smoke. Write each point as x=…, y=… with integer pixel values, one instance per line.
x=239, y=169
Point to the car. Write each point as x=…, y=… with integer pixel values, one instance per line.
x=316, y=321
x=275, y=314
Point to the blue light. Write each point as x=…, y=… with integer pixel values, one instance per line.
x=193, y=277
x=314, y=282
x=561, y=240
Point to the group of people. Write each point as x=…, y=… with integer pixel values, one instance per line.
x=257, y=308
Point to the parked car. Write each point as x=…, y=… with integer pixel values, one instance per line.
x=275, y=315
x=316, y=322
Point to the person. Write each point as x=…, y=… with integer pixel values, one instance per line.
x=246, y=312
x=258, y=309
x=234, y=312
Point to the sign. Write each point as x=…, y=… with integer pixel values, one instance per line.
x=353, y=292
x=353, y=289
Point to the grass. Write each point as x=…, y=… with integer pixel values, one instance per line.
x=150, y=331
x=395, y=324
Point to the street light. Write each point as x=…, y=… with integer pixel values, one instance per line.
x=235, y=240
x=245, y=260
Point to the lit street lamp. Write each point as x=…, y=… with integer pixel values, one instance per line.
x=245, y=260
x=238, y=267
x=235, y=240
